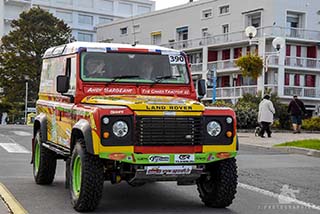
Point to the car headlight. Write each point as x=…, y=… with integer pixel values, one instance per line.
x=213, y=128
x=229, y=120
x=120, y=128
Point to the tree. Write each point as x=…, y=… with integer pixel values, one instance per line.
x=21, y=53
x=250, y=65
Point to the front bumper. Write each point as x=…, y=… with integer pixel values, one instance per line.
x=167, y=159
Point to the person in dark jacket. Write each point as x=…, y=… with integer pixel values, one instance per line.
x=296, y=108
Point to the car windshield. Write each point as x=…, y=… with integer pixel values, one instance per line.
x=133, y=67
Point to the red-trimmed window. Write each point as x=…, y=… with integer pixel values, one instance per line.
x=297, y=80
x=288, y=50
x=212, y=56
x=226, y=54
x=225, y=81
x=298, y=51
x=286, y=79
x=237, y=53
x=312, y=52
x=310, y=80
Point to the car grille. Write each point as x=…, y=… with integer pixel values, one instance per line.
x=168, y=130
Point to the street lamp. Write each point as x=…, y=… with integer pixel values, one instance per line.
x=26, y=78
x=212, y=76
x=278, y=43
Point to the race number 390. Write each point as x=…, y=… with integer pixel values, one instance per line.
x=176, y=59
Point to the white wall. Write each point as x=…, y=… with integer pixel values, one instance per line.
x=166, y=21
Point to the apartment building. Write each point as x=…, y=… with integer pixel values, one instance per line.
x=212, y=33
x=81, y=15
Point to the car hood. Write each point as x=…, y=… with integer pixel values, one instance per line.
x=146, y=103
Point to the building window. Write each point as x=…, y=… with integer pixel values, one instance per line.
x=136, y=28
x=143, y=9
x=224, y=9
x=225, y=28
x=125, y=9
x=85, y=19
x=205, y=32
x=182, y=33
x=104, y=5
x=65, y=16
x=254, y=19
x=69, y=2
x=85, y=3
x=86, y=37
x=207, y=13
x=294, y=21
x=124, y=31
x=310, y=80
x=156, y=38
x=103, y=20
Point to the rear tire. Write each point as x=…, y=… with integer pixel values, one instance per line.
x=44, y=162
x=86, y=178
x=218, y=188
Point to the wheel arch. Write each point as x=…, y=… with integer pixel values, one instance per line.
x=82, y=129
x=40, y=123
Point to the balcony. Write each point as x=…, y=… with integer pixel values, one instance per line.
x=270, y=31
x=196, y=68
x=305, y=92
x=224, y=64
x=300, y=62
x=17, y=1
x=232, y=92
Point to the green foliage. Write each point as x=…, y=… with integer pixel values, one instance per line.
x=247, y=116
x=310, y=144
x=221, y=103
x=312, y=124
x=22, y=49
x=250, y=65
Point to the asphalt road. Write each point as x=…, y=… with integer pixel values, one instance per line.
x=262, y=175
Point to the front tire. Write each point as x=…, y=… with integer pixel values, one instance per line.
x=86, y=179
x=44, y=162
x=218, y=188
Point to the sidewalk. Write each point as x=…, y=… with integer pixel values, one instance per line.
x=278, y=138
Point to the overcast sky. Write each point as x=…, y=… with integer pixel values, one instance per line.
x=161, y=4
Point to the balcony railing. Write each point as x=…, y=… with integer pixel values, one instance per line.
x=311, y=92
x=274, y=31
x=223, y=64
x=303, y=62
x=196, y=68
x=232, y=92
x=18, y=1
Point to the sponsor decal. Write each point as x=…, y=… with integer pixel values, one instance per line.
x=110, y=90
x=159, y=159
x=165, y=91
x=117, y=112
x=168, y=108
x=168, y=170
x=184, y=158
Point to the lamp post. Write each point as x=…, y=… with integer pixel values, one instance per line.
x=26, y=100
x=278, y=43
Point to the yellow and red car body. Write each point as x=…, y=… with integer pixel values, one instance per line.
x=169, y=109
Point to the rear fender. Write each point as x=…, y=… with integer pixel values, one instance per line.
x=82, y=129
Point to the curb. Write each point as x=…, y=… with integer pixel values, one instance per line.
x=10, y=201
x=288, y=149
x=298, y=150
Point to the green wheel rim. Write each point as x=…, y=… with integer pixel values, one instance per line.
x=76, y=176
x=37, y=157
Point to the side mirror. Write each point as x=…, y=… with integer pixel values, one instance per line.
x=62, y=84
x=201, y=86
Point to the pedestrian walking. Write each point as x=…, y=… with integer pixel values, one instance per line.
x=265, y=115
x=297, y=109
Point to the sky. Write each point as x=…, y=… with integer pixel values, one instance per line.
x=161, y=4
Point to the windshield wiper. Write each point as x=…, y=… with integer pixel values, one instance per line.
x=124, y=77
x=161, y=78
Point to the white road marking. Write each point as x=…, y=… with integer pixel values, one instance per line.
x=22, y=133
x=14, y=148
x=275, y=195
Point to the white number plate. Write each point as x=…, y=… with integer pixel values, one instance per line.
x=168, y=170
